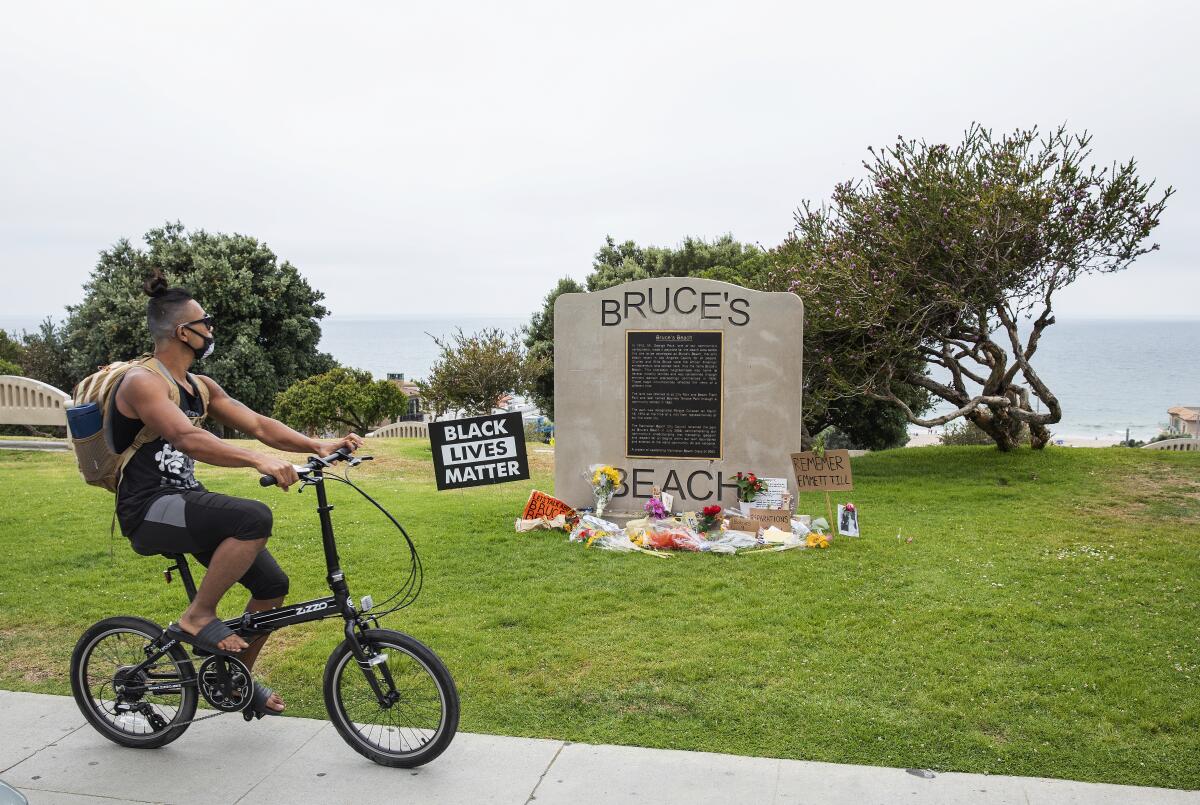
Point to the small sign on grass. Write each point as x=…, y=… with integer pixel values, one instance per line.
x=479, y=451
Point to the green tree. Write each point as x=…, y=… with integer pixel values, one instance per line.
x=44, y=356
x=952, y=256
x=474, y=371
x=267, y=315
x=7, y=367
x=341, y=399
x=10, y=348
x=868, y=422
x=539, y=341
x=723, y=259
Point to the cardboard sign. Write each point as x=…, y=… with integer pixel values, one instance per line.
x=780, y=518
x=744, y=524
x=479, y=451
x=542, y=505
x=827, y=473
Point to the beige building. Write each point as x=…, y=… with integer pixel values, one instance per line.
x=1184, y=420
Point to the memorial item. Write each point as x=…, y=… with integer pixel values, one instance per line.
x=735, y=523
x=542, y=505
x=771, y=517
x=688, y=379
x=749, y=487
x=709, y=519
x=847, y=520
x=536, y=523
x=828, y=471
x=777, y=494
x=671, y=536
x=777, y=536
x=635, y=530
x=605, y=480
x=654, y=537
x=654, y=507
x=817, y=540
x=823, y=471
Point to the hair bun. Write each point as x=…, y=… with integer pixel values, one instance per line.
x=156, y=285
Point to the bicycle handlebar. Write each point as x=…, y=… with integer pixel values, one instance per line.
x=314, y=463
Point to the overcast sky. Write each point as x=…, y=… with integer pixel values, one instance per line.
x=448, y=158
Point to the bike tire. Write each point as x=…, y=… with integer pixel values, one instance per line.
x=93, y=710
x=411, y=659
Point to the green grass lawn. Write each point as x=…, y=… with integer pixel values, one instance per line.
x=1045, y=619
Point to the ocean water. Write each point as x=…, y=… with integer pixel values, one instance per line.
x=397, y=345
x=1109, y=375
x=1113, y=374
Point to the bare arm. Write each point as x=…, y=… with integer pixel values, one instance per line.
x=270, y=432
x=145, y=396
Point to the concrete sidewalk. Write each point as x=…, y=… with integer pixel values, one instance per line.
x=53, y=756
x=44, y=444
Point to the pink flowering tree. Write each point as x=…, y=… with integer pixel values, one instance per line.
x=950, y=257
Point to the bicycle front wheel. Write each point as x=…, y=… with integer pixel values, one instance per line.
x=417, y=726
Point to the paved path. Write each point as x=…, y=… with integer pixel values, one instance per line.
x=50, y=753
x=32, y=444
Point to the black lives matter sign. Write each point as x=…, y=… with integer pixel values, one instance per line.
x=479, y=451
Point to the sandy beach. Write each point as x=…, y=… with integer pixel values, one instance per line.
x=929, y=439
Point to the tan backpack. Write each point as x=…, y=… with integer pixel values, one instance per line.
x=99, y=463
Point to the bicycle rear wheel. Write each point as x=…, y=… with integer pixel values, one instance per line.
x=114, y=699
x=418, y=726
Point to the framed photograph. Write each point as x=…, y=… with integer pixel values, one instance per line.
x=847, y=524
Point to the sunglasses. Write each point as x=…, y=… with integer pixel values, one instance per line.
x=207, y=321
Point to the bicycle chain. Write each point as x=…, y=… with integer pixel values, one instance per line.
x=203, y=718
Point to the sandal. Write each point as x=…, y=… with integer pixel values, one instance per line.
x=258, y=702
x=206, y=640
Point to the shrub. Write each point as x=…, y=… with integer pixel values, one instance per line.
x=962, y=431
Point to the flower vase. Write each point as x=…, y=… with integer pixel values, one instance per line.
x=744, y=506
x=601, y=502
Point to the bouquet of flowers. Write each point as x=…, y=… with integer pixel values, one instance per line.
x=605, y=480
x=749, y=486
x=655, y=508
x=710, y=519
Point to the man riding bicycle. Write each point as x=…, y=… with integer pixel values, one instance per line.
x=161, y=506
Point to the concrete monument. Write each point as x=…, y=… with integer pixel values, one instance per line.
x=679, y=383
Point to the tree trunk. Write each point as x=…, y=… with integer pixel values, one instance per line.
x=806, y=439
x=996, y=423
x=1039, y=436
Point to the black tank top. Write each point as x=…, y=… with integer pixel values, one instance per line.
x=157, y=468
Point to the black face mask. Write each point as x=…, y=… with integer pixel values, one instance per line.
x=206, y=349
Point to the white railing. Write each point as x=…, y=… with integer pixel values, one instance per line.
x=1185, y=443
x=401, y=430
x=24, y=401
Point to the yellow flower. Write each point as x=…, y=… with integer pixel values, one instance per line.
x=816, y=540
x=605, y=477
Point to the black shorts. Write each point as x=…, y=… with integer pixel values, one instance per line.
x=197, y=522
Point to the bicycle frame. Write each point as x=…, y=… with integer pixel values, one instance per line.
x=251, y=624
